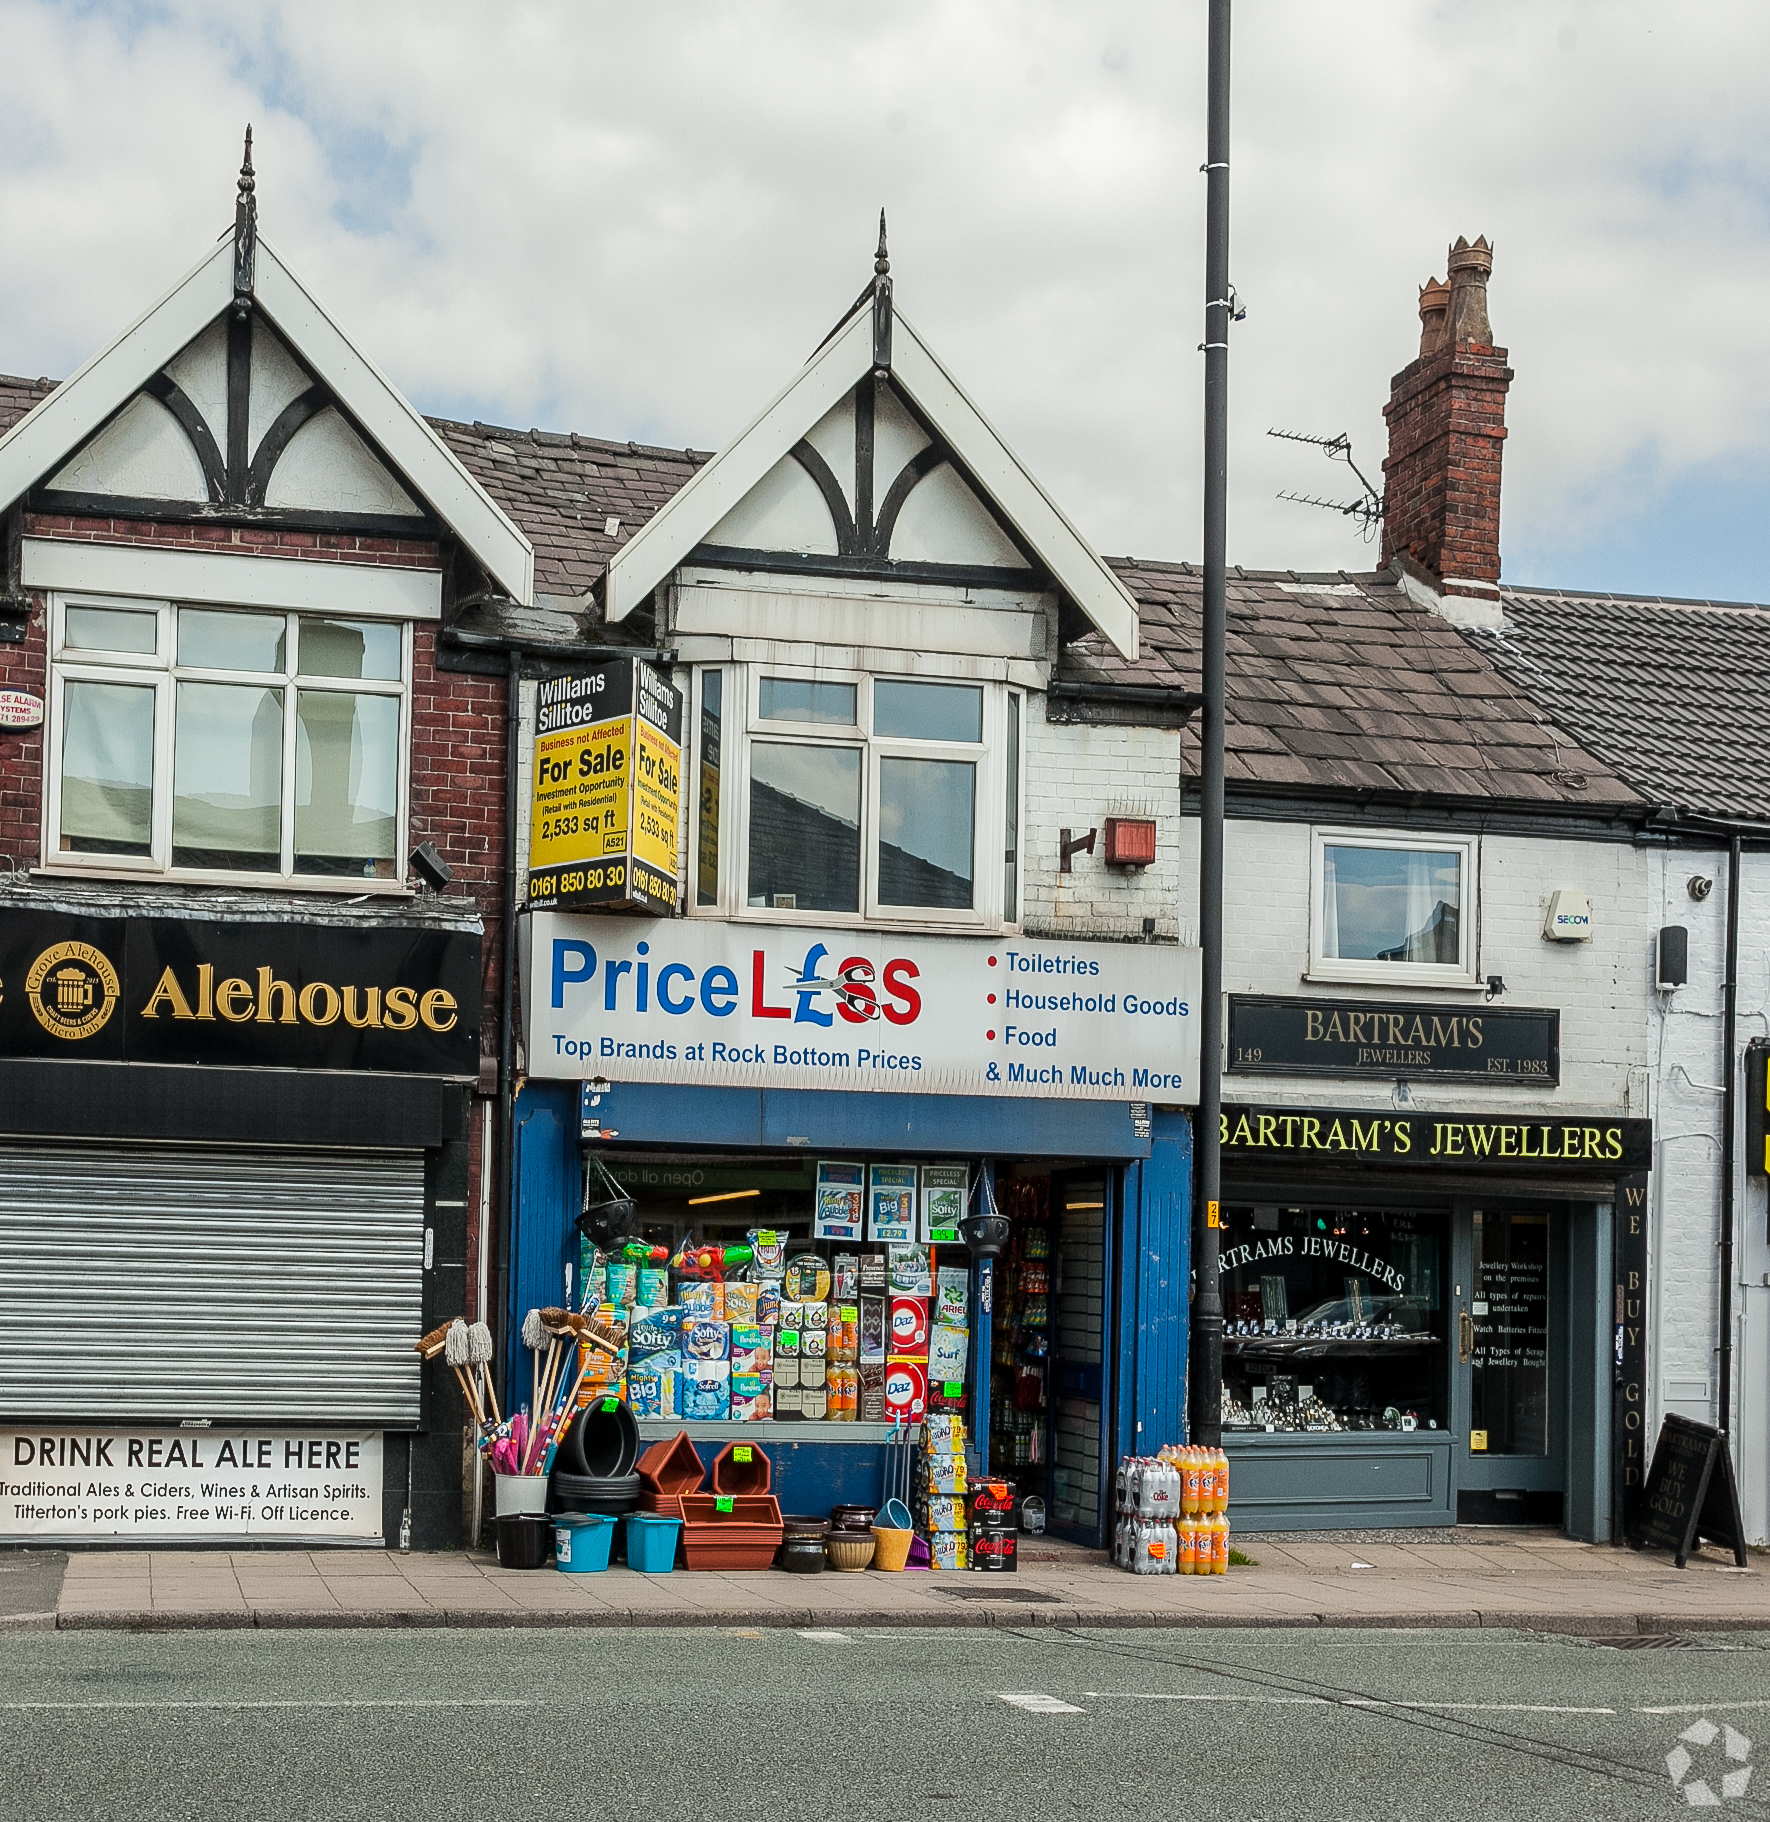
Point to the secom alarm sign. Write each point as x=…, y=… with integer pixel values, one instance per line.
x=677, y=1000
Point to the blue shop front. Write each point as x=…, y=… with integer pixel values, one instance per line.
x=794, y=1126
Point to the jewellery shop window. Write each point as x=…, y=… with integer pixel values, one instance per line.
x=1334, y=1320
x=785, y=1289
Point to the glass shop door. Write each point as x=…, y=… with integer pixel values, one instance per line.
x=1509, y=1365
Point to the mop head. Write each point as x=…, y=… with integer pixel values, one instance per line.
x=534, y=1335
x=458, y=1348
x=479, y=1343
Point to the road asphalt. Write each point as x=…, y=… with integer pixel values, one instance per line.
x=899, y=1724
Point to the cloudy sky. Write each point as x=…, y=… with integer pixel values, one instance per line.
x=636, y=221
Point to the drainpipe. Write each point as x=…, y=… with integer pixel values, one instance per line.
x=507, y=1011
x=1729, y=1100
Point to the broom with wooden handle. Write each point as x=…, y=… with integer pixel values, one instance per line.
x=555, y=1322
x=458, y=1352
x=479, y=1341
x=534, y=1338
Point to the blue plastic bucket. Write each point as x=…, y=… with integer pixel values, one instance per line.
x=581, y=1542
x=651, y=1542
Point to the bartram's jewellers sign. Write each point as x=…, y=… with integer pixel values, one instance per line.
x=1351, y=1038
x=58, y=1481
x=1348, y=1135
x=281, y=995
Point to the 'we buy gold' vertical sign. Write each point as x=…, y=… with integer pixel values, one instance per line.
x=607, y=790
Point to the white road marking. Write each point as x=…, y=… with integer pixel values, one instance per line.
x=316, y=1702
x=1700, y=1707
x=1036, y=1703
x=1356, y=1701
x=827, y=1638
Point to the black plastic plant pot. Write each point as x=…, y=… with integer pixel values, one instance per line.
x=986, y=1235
x=602, y=1221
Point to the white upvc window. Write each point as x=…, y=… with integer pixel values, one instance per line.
x=1400, y=910
x=842, y=796
x=227, y=744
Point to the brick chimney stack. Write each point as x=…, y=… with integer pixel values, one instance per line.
x=1447, y=423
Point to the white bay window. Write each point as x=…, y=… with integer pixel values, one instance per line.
x=864, y=798
x=219, y=742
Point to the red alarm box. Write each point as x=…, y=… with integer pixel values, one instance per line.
x=1130, y=841
x=908, y=1337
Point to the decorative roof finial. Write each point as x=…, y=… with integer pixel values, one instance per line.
x=881, y=306
x=245, y=234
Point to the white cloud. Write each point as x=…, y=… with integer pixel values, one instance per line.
x=637, y=221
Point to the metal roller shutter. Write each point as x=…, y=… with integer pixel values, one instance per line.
x=143, y=1281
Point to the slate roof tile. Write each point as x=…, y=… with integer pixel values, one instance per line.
x=1667, y=693
x=1327, y=691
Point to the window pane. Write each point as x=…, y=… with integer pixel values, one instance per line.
x=927, y=809
x=107, y=768
x=213, y=641
x=227, y=777
x=707, y=851
x=1011, y=848
x=350, y=648
x=1391, y=905
x=928, y=711
x=804, y=827
x=1509, y=1367
x=346, y=783
x=796, y=699
x=110, y=629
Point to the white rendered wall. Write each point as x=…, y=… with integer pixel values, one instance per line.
x=1076, y=777
x=1684, y=1261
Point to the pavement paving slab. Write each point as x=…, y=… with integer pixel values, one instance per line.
x=1536, y=1582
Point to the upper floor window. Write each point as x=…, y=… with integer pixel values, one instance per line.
x=885, y=798
x=217, y=741
x=1393, y=909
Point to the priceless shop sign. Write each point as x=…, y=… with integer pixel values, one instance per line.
x=729, y=1005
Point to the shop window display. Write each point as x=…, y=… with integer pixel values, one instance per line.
x=1334, y=1320
x=734, y=1308
x=1020, y=1370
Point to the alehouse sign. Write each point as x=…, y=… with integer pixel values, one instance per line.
x=267, y=995
x=1383, y=1040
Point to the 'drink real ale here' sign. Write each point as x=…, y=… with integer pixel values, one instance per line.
x=607, y=790
x=73, y=1481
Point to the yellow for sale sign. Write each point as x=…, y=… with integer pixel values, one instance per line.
x=607, y=790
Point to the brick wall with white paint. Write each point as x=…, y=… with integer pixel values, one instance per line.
x=1603, y=987
x=1076, y=777
x=1684, y=1263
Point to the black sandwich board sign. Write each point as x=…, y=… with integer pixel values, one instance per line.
x=1690, y=1494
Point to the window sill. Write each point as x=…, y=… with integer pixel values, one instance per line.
x=983, y=928
x=1420, y=981
x=258, y=882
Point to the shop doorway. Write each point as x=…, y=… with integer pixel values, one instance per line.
x=1079, y=1370
x=1509, y=1364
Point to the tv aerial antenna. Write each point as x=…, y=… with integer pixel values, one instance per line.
x=1366, y=510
